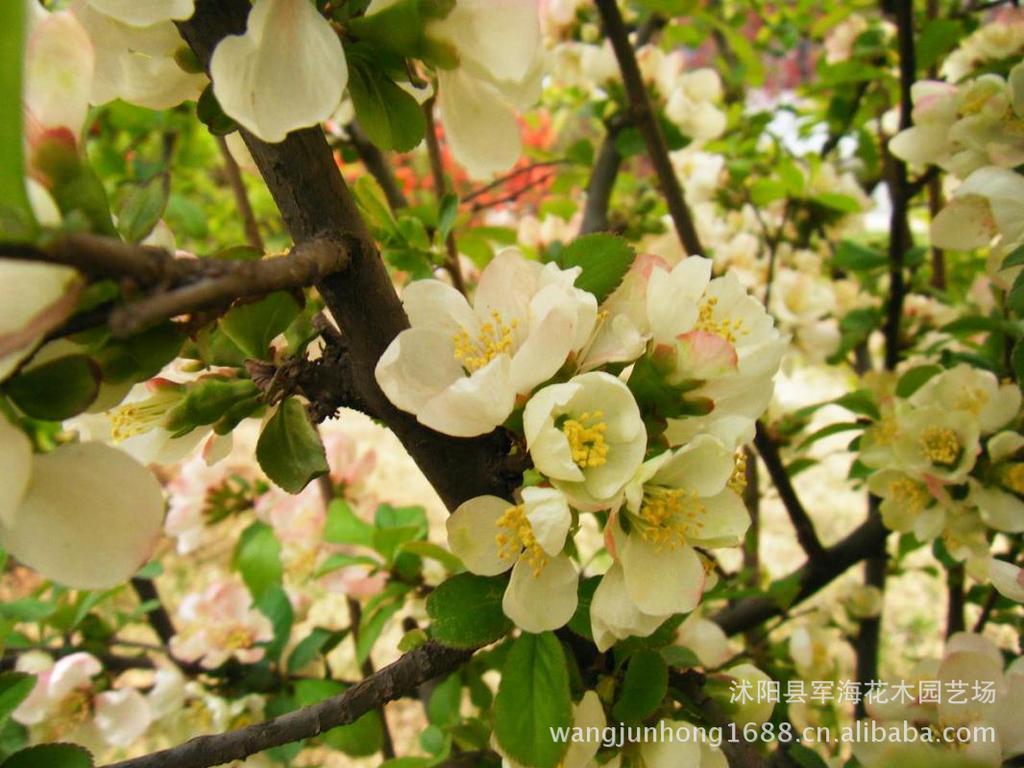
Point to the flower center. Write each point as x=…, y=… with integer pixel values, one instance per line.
x=132, y=419
x=1013, y=478
x=236, y=638
x=494, y=338
x=972, y=400
x=667, y=513
x=940, y=445
x=727, y=328
x=908, y=494
x=586, y=439
x=516, y=536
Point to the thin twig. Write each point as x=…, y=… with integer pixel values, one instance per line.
x=157, y=616
x=234, y=174
x=802, y=523
x=376, y=162
x=642, y=114
x=501, y=180
x=398, y=679
x=440, y=188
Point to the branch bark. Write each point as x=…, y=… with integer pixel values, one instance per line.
x=376, y=163
x=812, y=576
x=398, y=679
x=802, y=523
x=643, y=115
x=315, y=202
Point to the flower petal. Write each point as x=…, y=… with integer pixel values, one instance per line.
x=59, y=64
x=473, y=405
x=1008, y=579
x=34, y=298
x=142, y=13
x=418, y=365
x=16, y=449
x=703, y=466
x=287, y=71
x=613, y=616
x=480, y=126
x=538, y=603
x=122, y=716
x=472, y=535
x=661, y=580
x=90, y=517
x=549, y=516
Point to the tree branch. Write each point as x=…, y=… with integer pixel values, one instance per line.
x=398, y=679
x=812, y=576
x=602, y=182
x=440, y=189
x=378, y=166
x=234, y=176
x=802, y=523
x=314, y=201
x=643, y=116
x=157, y=616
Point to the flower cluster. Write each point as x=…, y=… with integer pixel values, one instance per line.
x=632, y=412
x=946, y=463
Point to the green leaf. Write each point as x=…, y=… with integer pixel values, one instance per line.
x=1015, y=258
x=533, y=697
x=444, y=701
x=14, y=689
x=860, y=401
x=16, y=219
x=50, y=756
x=605, y=259
x=258, y=558
x=831, y=429
x=804, y=757
x=343, y=526
x=275, y=605
x=837, y=202
x=446, y=216
x=466, y=611
x=936, y=39
x=391, y=118
x=434, y=552
x=915, y=378
x=142, y=208
x=56, y=390
x=212, y=115
x=318, y=642
x=254, y=325
x=858, y=258
x=643, y=687
x=289, y=449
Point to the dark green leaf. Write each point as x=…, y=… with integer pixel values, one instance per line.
x=142, y=208
x=289, y=449
x=56, y=390
x=391, y=118
x=466, y=611
x=858, y=258
x=938, y=37
x=254, y=325
x=914, y=379
x=14, y=689
x=50, y=756
x=643, y=687
x=533, y=698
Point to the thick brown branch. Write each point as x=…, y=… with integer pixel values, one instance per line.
x=802, y=523
x=646, y=121
x=314, y=201
x=398, y=679
x=812, y=576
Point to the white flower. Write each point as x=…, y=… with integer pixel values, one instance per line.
x=934, y=442
x=85, y=515
x=691, y=104
x=974, y=391
x=122, y=716
x=677, y=501
x=705, y=638
x=491, y=535
x=614, y=616
x=59, y=63
x=136, y=63
x=500, y=57
x=987, y=203
x=218, y=624
x=460, y=367
x=34, y=298
x=1008, y=579
x=143, y=13
x=287, y=71
x=587, y=436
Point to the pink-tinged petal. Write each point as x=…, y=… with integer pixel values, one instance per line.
x=90, y=516
x=72, y=673
x=705, y=355
x=59, y=64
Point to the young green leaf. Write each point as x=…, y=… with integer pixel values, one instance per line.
x=643, y=687
x=289, y=449
x=604, y=259
x=466, y=611
x=258, y=558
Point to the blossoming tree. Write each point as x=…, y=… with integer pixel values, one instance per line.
x=511, y=382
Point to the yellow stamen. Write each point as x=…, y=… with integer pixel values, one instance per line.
x=667, y=514
x=908, y=494
x=971, y=399
x=516, y=535
x=727, y=328
x=738, y=480
x=586, y=439
x=940, y=445
x=137, y=418
x=1013, y=478
x=495, y=338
